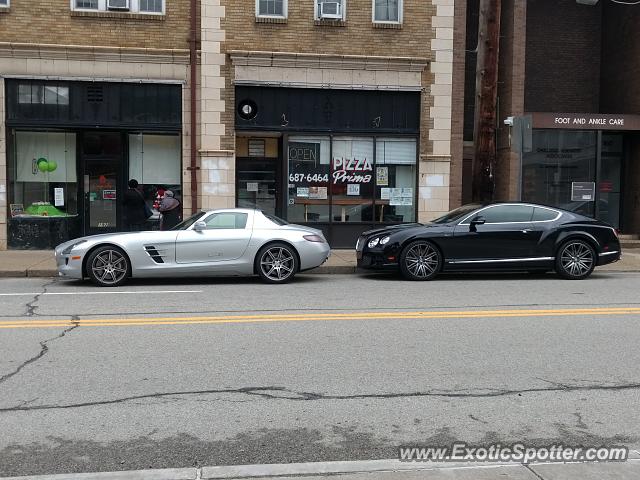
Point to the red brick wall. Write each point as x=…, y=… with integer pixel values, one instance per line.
x=563, y=56
x=620, y=91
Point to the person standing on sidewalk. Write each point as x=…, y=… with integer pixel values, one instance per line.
x=170, y=211
x=135, y=214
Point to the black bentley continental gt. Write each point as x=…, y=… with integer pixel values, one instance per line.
x=493, y=237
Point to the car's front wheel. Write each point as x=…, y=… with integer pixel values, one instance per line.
x=575, y=260
x=420, y=260
x=277, y=263
x=108, y=266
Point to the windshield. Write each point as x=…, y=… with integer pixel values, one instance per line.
x=189, y=221
x=458, y=213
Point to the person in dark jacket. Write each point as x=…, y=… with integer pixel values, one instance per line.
x=135, y=214
x=170, y=210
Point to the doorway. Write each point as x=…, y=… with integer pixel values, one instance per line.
x=101, y=160
x=259, y=174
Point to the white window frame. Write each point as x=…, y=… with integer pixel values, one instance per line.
x=392, y=22
x=285, y=10
x=134, y=7
x=7, y=5
x=316, y=10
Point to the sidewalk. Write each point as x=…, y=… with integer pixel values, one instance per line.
x=376, y=470
x=40, y=263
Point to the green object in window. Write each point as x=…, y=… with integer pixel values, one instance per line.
x=44, y=210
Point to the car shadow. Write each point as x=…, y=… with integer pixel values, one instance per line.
x=484, y=276
x=173, y=281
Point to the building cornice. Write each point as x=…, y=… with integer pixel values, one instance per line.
x=93, y=53
x=327, y=61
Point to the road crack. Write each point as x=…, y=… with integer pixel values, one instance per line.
x=282, y=393
x=44, y=348
x=31, y=306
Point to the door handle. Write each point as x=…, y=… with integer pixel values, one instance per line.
x=527, y=230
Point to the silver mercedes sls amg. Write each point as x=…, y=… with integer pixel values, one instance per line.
x=228, y=242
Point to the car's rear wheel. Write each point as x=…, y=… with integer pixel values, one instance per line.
x=420, y=260
x=575, y=260
x=277, y=263
x=108, y=266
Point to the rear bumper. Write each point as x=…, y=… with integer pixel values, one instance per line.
x=605, y=258
x=313, y=254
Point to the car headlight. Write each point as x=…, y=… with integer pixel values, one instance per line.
x=385, y=240
x=373, y=243
x=67, y=250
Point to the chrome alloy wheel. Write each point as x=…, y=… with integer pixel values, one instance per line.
x=109, y=267
x=576, y=259
x=277, y=264
x=422, y=260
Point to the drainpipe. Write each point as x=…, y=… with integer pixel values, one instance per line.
x=193, y=59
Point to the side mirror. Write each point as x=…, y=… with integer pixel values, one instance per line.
x=476, y=221
x=199, y=226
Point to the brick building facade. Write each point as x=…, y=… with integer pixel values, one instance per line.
x=96, y=92
x=566, y=77
x=82, y=88
x=323, y=69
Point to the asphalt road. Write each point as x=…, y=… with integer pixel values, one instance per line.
x=216, y=372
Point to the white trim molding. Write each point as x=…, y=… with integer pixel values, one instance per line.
x=358, y=72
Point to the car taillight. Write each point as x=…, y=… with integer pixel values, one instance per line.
x=314, y=238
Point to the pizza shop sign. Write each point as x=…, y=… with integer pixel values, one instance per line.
x=352, y=170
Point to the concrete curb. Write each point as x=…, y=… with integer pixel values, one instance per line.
x=301, y=470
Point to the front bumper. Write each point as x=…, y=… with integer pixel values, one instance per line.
x=69, y=265
x=375, y=261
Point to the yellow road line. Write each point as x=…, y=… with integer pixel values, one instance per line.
x=301, y=317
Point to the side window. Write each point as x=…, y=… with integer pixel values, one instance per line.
x=543, y=214
x=271, y=8
x=227, y=220
x=508, y=213
x=387, y=11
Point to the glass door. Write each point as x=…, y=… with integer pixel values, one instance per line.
x=102, y=179
x=610, y=179
x=101, y=194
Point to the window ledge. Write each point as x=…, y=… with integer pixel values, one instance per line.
x=277, y=20
x=387, y=26
x=4, y=9
x=329, y=23
x=120, y=15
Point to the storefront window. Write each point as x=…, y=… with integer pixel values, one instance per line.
x=348, y=185
x=395, y=180
x=309, y=179
x=560, y=158
x=44, y=189
x=155, y=162
x=352, y=180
